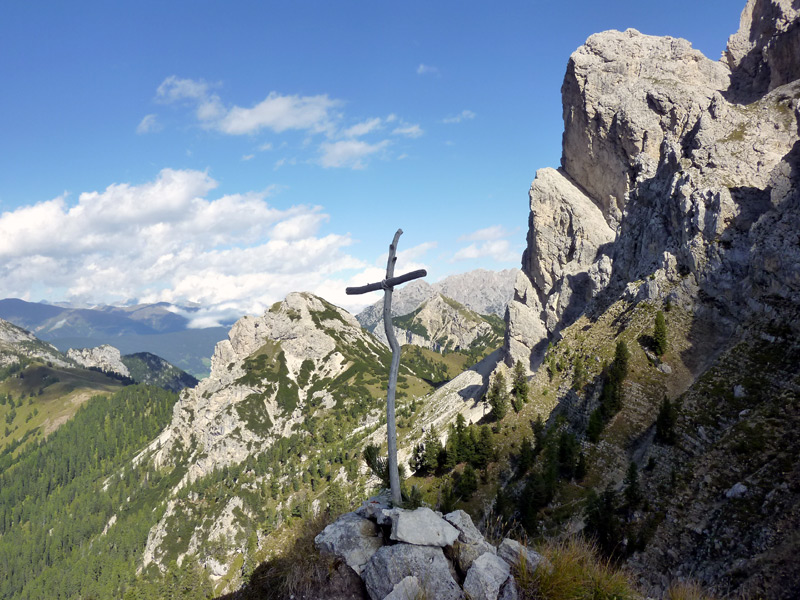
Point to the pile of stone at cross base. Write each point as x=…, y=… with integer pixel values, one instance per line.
x=425, y=555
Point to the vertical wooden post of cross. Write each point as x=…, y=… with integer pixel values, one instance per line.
x=387, y=285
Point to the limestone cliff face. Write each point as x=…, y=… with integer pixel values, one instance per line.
x=669, y=177
x=763, y=54
x=105, y=357
x=300, y=340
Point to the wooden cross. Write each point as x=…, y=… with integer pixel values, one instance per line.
x=387, y=285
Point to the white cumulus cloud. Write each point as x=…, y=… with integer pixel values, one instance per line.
x=279, y=113
x=171, y=240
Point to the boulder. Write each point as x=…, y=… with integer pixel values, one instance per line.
x=373, y=507
x=391, y=564
x=470, y=543
x=421, y=527
x=485, y=577
x=737, y=491
x=510, y=591
x=407, y=588
x=352, y=538
x=515, y=554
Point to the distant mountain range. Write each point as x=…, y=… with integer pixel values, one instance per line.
x=154, y=328
x=163, y=329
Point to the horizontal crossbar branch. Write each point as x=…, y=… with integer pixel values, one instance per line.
x=386, y=283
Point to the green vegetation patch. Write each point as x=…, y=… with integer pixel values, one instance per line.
x=253, y=411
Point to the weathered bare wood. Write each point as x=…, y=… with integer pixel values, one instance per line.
x=391, y=429
x=386, y=283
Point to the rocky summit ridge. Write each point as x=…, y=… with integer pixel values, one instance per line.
x=293, y=397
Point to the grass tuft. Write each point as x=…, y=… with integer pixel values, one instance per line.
x=296, y=573
x=578, y=573
x=686, y=591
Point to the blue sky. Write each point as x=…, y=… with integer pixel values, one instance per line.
x=229, y=153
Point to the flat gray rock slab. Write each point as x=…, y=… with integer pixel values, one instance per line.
x=421, y=527
x=485, y=577
x=391, y=564
x=407, y=588
x=352, y=538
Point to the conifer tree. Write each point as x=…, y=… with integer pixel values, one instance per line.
x=519, y=384
x=485, y=448
x=665, y=422
x=498, y=396
x=468, y=482
x=579, y=375
x=602, y=522
x=580, y=468
x=595, y=427
x=433, y=447
x=633, y=495
x=526, y=457
x=660, y=334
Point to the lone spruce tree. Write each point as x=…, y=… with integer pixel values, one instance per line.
x=498, y=396
x=660, y=334
x=519, y=384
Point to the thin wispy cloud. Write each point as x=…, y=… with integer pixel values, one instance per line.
x=149, y=124
x=319, y=118
x=349, y=153
x=498, y=250
x=424, y=69
x=495, y=232
x=411, y=131
x=363, y=128
x=490, y=242
x=464, y=115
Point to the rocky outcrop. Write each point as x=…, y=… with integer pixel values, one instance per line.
x=17, y=343
x=693, y=166
x=441, y=323
x=416, y=558
x=105, y=358
x=150, y=369
x=567, y=235
x=483, y=292
x=763, y=54
x=303, y=375
x=680, y=184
